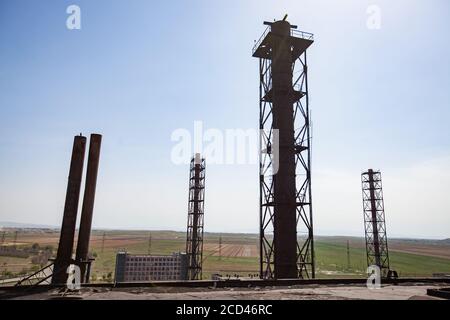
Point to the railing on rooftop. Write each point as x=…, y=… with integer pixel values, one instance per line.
x=302, y=34
x=294, y=33
x=257, y=43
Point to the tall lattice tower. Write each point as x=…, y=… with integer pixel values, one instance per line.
x=374, y=221
x=194, y=243
x=286, y=225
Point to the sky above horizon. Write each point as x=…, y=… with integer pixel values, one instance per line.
x=139, y=70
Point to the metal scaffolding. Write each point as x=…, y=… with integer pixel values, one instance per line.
x=194, y=242
x=286, y=225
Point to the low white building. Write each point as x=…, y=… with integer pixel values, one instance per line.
x=142, y=268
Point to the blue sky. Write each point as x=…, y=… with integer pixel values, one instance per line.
x=138, y=70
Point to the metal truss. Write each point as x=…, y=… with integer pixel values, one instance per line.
x=374, y=221
x=268, y=149
x=194, y=243
x=42, y=276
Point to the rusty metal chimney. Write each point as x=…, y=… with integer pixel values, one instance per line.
x=84, y=234
x=65, y=247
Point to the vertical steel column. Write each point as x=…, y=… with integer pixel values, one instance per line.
x=373, y=212
x=84, y=234
x=306, y=253
x=65, y=247
x=262, y=187
x=285, y=224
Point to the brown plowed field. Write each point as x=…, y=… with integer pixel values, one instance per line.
x=431, y=251
x=232, y=250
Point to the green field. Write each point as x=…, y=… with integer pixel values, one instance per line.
x=330, y=254
x=333, y=257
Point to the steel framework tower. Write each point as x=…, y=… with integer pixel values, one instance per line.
x=286, y=225
x=194, y=242
x=374, y=221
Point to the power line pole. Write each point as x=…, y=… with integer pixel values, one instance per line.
x=348, y=255
x=220, y=247
x=103, y=241
x=149, y=243
x=3, y=237
x=15, y=239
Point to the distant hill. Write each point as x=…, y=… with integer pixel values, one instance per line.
x=326, y=238
x=6, y=224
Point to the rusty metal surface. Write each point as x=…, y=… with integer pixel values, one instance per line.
x=88, y=204
x=65, y=247
x=285, y=225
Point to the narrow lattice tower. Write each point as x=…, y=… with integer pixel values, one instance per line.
x=286, y=226
x=374, y=221
x=194, y=243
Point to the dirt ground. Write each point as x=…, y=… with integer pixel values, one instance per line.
x=232, y=250
x=431, y=251
x=111, y=242
x=309, y=292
